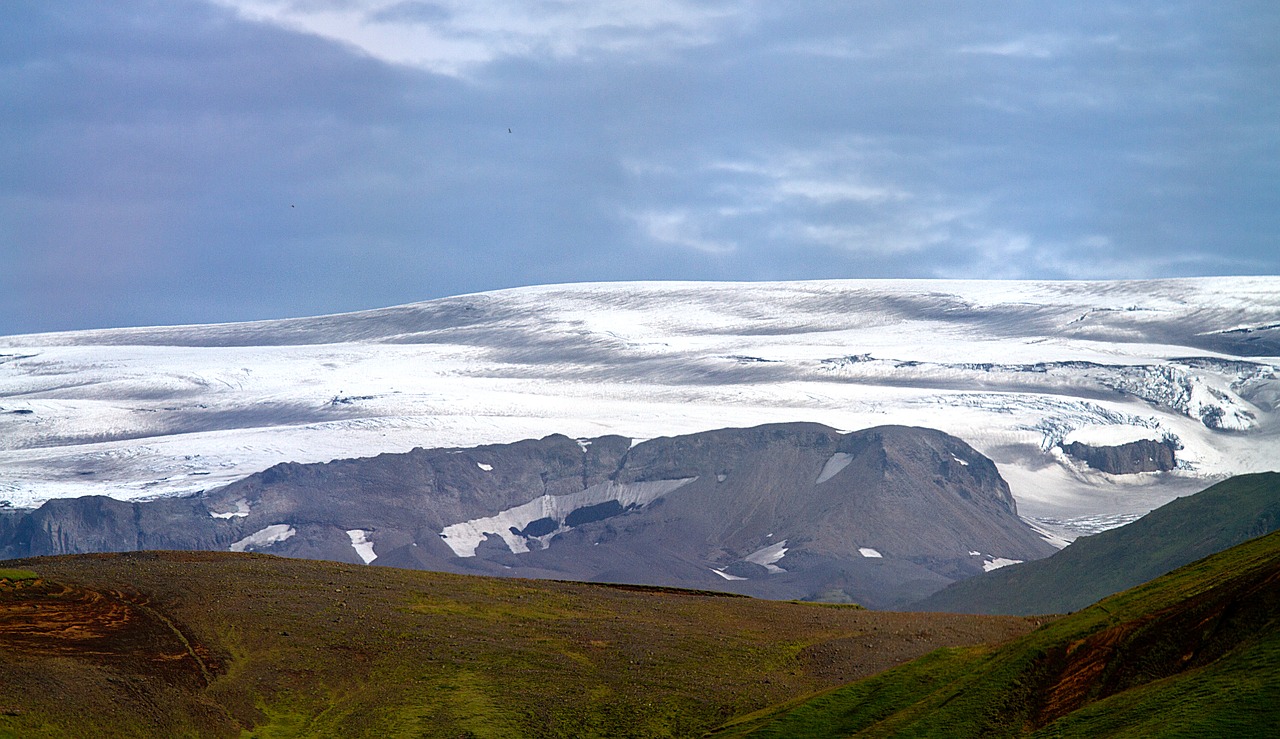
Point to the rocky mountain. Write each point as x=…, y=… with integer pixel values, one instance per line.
x=880, y=516
x=1019, y=370
x=1094, y=567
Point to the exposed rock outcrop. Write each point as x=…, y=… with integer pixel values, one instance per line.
x=785, y=510
x=1145, y=455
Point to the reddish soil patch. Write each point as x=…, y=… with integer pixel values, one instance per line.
x=40, y=618
x=1085, y=661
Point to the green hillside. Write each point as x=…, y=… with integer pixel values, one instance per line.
x=1094, y=567
x=219, y=644
x=1195, y=653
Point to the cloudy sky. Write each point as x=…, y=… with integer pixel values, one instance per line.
x=176, y=161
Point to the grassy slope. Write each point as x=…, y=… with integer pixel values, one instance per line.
x=295, y=647
x=1193, y=653
x=1094, y=567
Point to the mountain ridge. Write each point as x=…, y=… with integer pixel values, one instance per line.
x=1093, y=567
x=1191, y=653
x=781, y=511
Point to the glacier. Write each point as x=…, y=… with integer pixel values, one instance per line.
x=1015, y=368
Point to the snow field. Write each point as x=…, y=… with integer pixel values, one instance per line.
x=131, y=414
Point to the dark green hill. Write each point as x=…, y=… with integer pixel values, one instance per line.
x=219, y=644
x=1094, y=567
x=1195, y=653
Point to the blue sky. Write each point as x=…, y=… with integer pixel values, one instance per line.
x=175, y=162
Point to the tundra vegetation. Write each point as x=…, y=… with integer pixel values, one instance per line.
x=225, y=644
x=1193, y=653
x=241, y=644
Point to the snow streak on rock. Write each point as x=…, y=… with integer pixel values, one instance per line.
x=512, y=525
x=363, y=546
x=996, y=563
x=838, y=462
x=264, y=537
x=768, y=557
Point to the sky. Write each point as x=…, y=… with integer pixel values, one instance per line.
x=187, y=162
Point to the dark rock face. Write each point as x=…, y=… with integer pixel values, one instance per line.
x=1136, y=456
x=785, y=511
x=101, y=524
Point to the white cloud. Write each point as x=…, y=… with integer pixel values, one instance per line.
x=833, y=191
x=846, y=197
x=843, y=49
x=452, y=36
x=842, y=172
x=1040, y=46
x=891, y=231
x=832, y=196
x=999, y=253
x=681, y=228
x=1027, y=48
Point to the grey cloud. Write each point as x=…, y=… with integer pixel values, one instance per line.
x=168, y=162
x=480, y=32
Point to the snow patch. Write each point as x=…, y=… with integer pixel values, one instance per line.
x=975, y=554
x=242, y=510
x=1056, y=538
x=726, y=575
x=361, y=543
x=273, y=534
x=768, y=556
x=485, y=467
x=996, y=563
x=961, y=461
x=838, y=462
x=869, y=552
x=584, y=443
x=464, y=537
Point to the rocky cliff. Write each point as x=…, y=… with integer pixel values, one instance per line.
x=1145, y=455
x=878, y=516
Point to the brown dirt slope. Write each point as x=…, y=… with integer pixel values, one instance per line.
x=209, y=644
